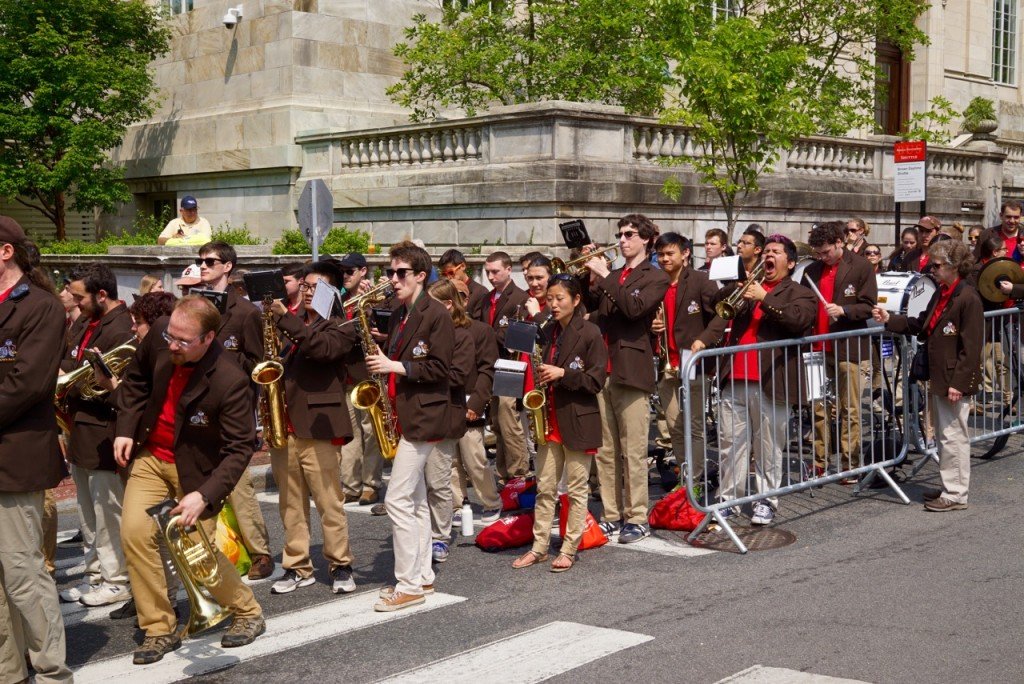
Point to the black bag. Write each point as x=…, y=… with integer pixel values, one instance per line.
x=919, y=364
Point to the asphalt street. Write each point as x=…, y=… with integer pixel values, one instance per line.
x=871, y=590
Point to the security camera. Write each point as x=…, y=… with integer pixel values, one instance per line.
x=232, y=18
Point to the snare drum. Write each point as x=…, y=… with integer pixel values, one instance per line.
x=814, y=375
x=905, y=293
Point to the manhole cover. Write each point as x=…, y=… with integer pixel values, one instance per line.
x=755, y=539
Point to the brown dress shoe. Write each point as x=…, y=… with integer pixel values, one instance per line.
x=941, y=505
x=262, y=567
x=351, y=498
x=369, y=496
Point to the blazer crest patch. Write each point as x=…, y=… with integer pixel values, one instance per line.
x=850, y=291
x=576, y=364
x=74, y=352
x=949, y=329
x=503, y=322
x=636, y=293
x=693, y=308
x=199, y=420
x=420, y=350
x=8, y=351
x=231, y=343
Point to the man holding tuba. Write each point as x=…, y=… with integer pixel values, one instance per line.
x=105, y=324
x=186, y=421
x=318, y=420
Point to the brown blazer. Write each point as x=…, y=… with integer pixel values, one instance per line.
x=511, y=305
x=463, y=366
x=856, y=290
x=954, y=346
x=625, y=313
x=91, y=442
x=695, y=306
x=31, y=339
x=481, y=377
x=241, y=331
x=581, y=352
x=789, y=313
x=314, y=376
x=214, y=422
x=478, y=302
x=426, y=347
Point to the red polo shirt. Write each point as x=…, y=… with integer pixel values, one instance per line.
x=746, y=365
x=161, y=440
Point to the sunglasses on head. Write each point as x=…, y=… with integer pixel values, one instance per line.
x=400, y=272
x=209, y=261
x=562, y=277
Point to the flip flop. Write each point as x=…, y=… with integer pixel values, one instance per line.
x=555, y=568
x=520, y=563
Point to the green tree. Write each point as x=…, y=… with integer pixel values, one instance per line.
x=75, y=76
x=752, y=80
x=516, y=51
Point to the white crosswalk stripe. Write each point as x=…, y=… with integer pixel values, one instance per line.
x=759, y=674
x=555, y=648
x=204, y=655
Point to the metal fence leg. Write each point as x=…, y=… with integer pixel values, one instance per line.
x=930, y=455
x=891, y=482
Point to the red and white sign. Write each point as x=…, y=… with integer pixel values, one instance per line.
x=909, y=180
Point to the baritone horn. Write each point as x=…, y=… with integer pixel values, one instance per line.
x=575, y=266
x=117, y=359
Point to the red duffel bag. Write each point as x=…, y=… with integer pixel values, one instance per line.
x=509, y=532
x=674, y=512
x=592, y=536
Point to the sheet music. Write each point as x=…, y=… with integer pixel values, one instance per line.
x=324, y=297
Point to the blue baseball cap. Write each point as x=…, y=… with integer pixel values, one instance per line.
x=189, y=202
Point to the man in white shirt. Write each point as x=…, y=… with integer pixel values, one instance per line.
x=189, y=228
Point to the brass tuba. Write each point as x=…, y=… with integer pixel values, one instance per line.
x=731, y=306
x=196, y=564
x=269, y=375
x=371, y=395
x=574, y=267
x=117, y=359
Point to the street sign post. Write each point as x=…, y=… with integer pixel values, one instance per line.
x=909, y=182
x=316, y=214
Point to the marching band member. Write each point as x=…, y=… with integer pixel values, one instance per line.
x=759, y=387
x=452, y=266
x=749, y=247
x=105, y=323
x=362, y=466
x=186, y=423
x=30, y=462
x=716, y=244
x=241, y=334
x=504, y=304
x=419, y=353
x=538, y=276
x=315, y=396
x=848, y=284
x=439, y=464
x=953, y=328
x=625, y=301
x=292, y=274
x=855, y=236
x=573, y=373
x=917, y=259
x=688, y=308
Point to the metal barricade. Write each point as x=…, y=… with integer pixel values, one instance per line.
x=827, y=410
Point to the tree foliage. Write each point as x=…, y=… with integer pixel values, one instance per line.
x=75, y=76
x=518, y=51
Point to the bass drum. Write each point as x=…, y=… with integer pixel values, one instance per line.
x=905, y=293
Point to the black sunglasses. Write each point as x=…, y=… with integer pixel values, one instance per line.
x=348, y=271
x=400, y=272
x=563, y=276
x=210, y=262
x=872, y=252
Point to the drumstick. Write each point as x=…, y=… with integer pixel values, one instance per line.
x=820, y=296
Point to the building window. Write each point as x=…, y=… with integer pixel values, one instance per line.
x=466, y=4
x=1004, y=42
x=726, y=8
x=176, y=7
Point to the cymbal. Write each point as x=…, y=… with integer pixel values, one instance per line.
x=995, y=272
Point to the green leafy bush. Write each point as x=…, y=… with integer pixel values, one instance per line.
x=338, y=241
x=236, y=236
x=144, y=232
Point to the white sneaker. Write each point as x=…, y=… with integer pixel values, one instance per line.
x=106, y=594
x=763, y=514
x=74, y=594
x=290, y=582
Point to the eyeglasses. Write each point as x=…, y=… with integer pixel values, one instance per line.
x=210, y=262
x=400, y=272
x=940, y=264
x=871, y=252
x=628, y=234
x=182, y=344
x=306, y=287
x=851, y=230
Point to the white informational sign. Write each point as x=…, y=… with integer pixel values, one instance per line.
x=725, y=268
x=909, y=182
x=324, y=297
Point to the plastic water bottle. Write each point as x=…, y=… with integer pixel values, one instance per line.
x=467, y=520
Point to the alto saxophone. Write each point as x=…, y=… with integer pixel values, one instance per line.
x=535, y=401
x=269, y=375
x=371, y=395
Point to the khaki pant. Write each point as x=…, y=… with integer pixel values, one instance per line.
x=848, y=377
x=438, y=473
x=470, y=463
x=151, y=481
x=555, y=462
x=954, y=446
x=513, y=456
x=362, y=465
x=748, y=417
x=406, y=504
x=622, y=458
x=100, y=493
x=30, y=614
x=250, y=519
x=994, y=365
x=668, y=392
x=310, y=468
x=50, y=531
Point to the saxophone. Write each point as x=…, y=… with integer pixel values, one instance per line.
x=535, y=401
x=371, y=395
x=269, y=374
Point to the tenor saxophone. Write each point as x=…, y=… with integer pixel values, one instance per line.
x=371, y=395
x=535, y=401
x=269, y=375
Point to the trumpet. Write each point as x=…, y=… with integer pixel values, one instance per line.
x=665, y=361
x=731, y=306
x=574, y=267
x=375, y=295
